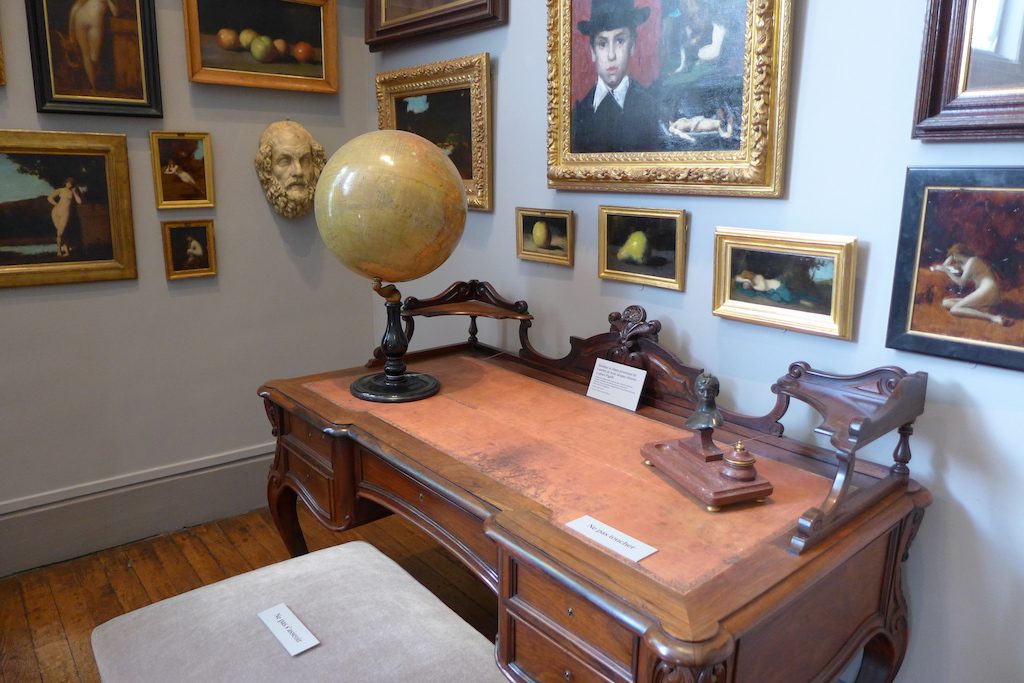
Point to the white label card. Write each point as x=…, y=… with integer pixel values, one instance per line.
x=612, y=538
x=287, y=628
x=617, y=384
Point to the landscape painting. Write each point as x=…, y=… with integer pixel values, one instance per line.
x=65, y=213
x=444, y=118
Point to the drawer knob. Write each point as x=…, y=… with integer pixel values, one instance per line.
x=571, y=612
x=421, y=497
x=567, y=674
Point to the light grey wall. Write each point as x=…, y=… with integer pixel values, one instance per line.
x=114, y=384
x=855, y=77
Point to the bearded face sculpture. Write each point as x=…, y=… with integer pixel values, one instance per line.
x=288, y=164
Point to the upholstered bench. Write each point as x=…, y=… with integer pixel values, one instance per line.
x=373, y=620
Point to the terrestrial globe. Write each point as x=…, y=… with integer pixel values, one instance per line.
x=392, y=207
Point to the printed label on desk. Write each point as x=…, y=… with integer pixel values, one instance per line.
x=616, y=383
x=612, y=538
x=287, y=628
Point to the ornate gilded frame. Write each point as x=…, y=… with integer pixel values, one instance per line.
x=174, y=232
x=560, y=240
x=756, y=168
x=472, y=73
x=661, y=267
x=772, y=306
x=255, y=75
x=162, y=190
x=947, y=108
x=446, y=16
x=119, y=264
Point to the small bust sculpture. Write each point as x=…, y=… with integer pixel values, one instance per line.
x=706, y=415
x=288, y=164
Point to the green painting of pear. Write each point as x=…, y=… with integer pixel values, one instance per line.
x=636, y=249
x=541, y=235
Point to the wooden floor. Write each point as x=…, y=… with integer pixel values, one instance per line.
x=47, y=614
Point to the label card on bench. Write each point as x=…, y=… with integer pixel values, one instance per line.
x=616, y=383
x=287, y=628
x=612, y=538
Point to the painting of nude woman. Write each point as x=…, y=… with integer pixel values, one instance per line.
x=959, y=284
x=95, y=56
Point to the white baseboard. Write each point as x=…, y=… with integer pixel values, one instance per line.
x=41, y=534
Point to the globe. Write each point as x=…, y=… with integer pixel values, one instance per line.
x=390, y=205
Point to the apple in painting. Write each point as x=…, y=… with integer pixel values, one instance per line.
x=228, y=39
x=246, y=37
x=281, y=45
x=302, y=52
x=636, y=248
x=262, y=48
x=541, y=235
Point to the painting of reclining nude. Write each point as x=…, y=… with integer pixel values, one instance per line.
x=64, y=215
x=959, y=284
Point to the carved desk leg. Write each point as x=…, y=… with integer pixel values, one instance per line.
x=282, y=500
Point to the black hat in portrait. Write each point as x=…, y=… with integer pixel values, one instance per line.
x=610, y=14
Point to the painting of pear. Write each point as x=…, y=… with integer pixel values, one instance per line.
x=541, y=235
x=636, y=248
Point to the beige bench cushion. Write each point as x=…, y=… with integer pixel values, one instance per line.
x=373, y=620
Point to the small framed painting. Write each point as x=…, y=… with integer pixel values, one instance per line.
x=3, y=77
x=791, y=280
x=401, y=21
x=65, y=208
x=958, y=287
x=182, y=169
x=448, y=103
x=280, y=44
x=95, y=56
x=643, y=246
x=189, y=249
x=545, y=235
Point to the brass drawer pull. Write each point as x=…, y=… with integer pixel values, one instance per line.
x=570, y=612
x=567, y=674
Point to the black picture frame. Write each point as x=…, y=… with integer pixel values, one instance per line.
x=62, y=82
x=948, y=108
x=958, y=213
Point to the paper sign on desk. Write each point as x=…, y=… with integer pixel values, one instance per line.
x=612, y=538
x=616, y=383
x=287, y=628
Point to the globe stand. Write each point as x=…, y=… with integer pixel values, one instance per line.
x=394, y=385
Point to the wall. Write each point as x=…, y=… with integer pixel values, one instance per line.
x=130, y=407
x=854, y=81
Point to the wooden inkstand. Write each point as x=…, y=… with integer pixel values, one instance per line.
x=699, y=466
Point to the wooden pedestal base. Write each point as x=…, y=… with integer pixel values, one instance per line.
x=687, y=468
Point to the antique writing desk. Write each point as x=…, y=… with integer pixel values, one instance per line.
x=510, y=450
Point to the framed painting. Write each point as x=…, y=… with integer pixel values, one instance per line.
x=448, y=103
x=3, y=77
x=791, y=280
x=698, y=95
x=65, y=208
x=958, y=287
x=971, y=84
x=280, y=44
x=642, y=246
x=401, y=21
x=182, y=169
x=189, y=249
x=545, y=235
x=95, y=56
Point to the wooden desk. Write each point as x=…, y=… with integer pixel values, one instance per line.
x=496, y=464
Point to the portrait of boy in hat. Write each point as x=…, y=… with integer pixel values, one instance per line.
x=617, y=114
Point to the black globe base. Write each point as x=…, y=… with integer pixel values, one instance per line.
x=410, y=386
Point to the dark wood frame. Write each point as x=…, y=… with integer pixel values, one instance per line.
x=899, y=335
x=197, y=73
x=942, y=111
x=46, y=101
x=468, y=15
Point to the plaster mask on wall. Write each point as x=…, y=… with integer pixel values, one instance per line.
x=288, y=163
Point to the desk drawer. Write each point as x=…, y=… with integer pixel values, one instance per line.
x=445, y=515
x=310, y=437
x=574, y=613
x=310, y=480
x=544, y=661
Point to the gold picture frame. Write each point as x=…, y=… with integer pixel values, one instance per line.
x=189, y=249
x=448, y=103
x=545, y=235
x=795, y=281
x=3, y=73
x=308, y=28
x=642, y=246
x=66, y=209
x=715, y=124
x=182, y=169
